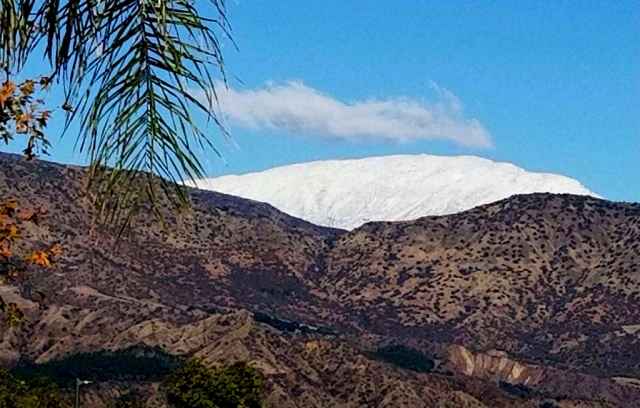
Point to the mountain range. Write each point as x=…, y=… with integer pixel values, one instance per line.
x=530, y=301
x=348, y=193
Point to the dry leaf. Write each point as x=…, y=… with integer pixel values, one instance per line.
x=40, y=258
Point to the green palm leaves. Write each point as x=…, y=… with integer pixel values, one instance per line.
x=130, y=70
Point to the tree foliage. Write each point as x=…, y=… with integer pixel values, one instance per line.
x=195, y=385
x=131, y=71
x=130, y=401
x=37, y=392
x=22, y=113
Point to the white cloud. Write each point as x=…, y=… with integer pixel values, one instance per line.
x=296, y=108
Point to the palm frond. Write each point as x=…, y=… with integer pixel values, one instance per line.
x=16, y=33
x=130, y=69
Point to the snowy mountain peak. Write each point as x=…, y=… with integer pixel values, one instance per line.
x=348, y=193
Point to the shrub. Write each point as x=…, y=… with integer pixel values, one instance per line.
x=195, y=385
x=130, y=401
x=37, y=392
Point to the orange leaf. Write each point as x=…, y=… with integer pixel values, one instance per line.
x=22, y=122
x=7, y=90
x=28, y=87
x=55, y=250
x=9, y=232
x=40, y=258
x=10, y=206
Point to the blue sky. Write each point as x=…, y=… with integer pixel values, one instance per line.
x=554, y=86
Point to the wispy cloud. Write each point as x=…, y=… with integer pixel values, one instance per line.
x=296, y=108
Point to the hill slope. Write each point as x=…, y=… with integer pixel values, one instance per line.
x=543, y=286
x=549, y=278
x=348, y=193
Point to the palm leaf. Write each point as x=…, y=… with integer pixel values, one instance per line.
x=129, y=70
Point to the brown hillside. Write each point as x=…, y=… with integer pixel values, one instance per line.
x=549, y=281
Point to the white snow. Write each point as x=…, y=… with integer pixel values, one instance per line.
x=348, y=193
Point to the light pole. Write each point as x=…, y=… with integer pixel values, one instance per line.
x=78, y=384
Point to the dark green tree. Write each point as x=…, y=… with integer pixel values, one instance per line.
x=34, y=393
x=195, y=385
x=130, y=401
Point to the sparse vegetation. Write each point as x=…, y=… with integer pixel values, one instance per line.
x=149, y=284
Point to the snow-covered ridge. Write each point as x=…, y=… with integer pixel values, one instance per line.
x=347, y=193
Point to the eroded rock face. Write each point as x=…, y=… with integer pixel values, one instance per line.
x=496, y=366
x=493, y=365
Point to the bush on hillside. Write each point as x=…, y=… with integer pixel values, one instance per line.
x=130, y=401
x=36, y=392
x=195, y=385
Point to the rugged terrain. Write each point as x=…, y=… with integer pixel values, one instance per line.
x=551, y=279
x=536, y=290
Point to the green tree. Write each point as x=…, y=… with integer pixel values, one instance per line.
x=130, y=401
x=35, y=393
x=131, y=71
x=195, y=385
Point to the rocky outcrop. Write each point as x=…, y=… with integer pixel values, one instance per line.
x=494, y=365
